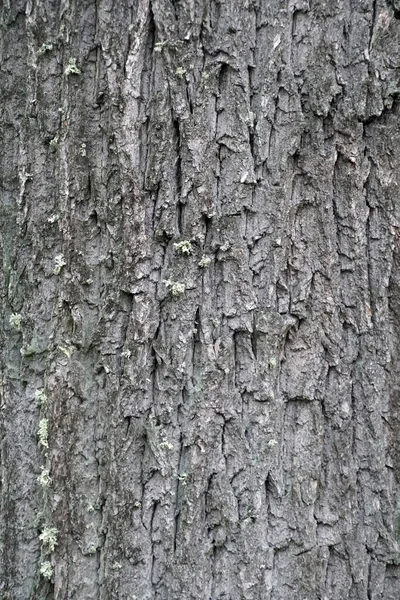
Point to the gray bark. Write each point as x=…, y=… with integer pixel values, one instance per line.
x=222, y=414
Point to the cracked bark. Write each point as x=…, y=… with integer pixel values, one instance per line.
x=241, y=439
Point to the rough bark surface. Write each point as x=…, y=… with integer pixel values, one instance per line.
x=200, y=221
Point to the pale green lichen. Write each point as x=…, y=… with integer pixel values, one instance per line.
x=41, y=397
x=67, y=350
x=28, y=350
x=205, y=261
x=180, y=72
x=46, y=47
x=72, y=68
x=46, y=569
x=44, y=478
x=59, y=263
x=43, y=433
x=48, y=537
x=53, y=143
x=159, y=46
x=166, y=445
x=16, y=321
x=184, y=247
x=225, y=247
x=175, y=288
x=91, y=549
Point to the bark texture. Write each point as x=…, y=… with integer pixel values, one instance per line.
x=200, y=222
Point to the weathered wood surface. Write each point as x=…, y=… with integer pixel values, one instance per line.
x=223, y=415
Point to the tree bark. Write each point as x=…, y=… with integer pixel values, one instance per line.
x=200, y=220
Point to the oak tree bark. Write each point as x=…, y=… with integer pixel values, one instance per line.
x=200, y=285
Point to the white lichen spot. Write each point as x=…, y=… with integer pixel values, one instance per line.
x=72, y=68
x=46, y=569
x=272, y=443
x=175, y=288
x=43, y=433
x=184, y=247
x=53, y=218
x=59, y=263
x=16, y=321
x=48, y=537
x=225, y=247
x=116, y=566
x=126, y=354
x=82, y=149
x=44, y=478
x=205, y=261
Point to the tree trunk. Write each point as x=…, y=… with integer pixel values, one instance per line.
x=200, y=231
